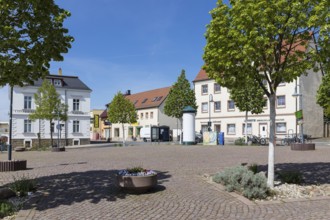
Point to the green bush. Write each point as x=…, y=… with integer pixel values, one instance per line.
x=6, y=209
x=291, y=177
x=244, y=181
x=240, y=141
x=23, y=185
x=253, y=167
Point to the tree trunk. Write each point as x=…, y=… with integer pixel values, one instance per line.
x=246, y=122
x=123, y=134
x=51, y=133
x=272, y=141
x=181, y=135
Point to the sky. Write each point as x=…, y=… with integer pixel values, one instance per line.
x=132, y=45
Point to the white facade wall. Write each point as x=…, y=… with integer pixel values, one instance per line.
x=225, y=119
x=43, y=126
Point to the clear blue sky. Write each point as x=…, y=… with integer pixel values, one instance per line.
x=129, y=44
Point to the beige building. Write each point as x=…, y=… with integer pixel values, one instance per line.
x=150, y=111
x=96, y=125
x=225, y=117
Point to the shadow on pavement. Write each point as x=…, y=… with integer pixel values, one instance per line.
x=94, y=186
x=313, y=173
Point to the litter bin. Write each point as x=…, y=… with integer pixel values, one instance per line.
x=221, y=138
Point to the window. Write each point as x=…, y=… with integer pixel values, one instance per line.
x=135, y=102
x=231, y=129
x=144, y=100
x=154, y=99
x=141, y=116
x=217, y=106
x=249, y=128
x=116, y=132
x=266, y=102
x=281, y=127
x=280, y=101
x=27, y=126
x=217, y=128
x=147, y=115
x=204, y=107
x=75, y=104
x=27, y=102
x=57, y=82
x=231, y=105
x=205, y=128
x=151, y=115
x=159, y=98
x=217, y=88
x=75, y=126
x=204, y=89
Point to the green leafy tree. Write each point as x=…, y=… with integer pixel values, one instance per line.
x=31, y=35
x=249, y=97
x=122, y=110
x=271, y=41
x=180, y=96
x=323, y=95
x=48, y=106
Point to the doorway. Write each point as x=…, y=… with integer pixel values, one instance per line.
x=263, y=130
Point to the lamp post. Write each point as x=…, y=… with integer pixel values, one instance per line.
x=296, y=94
x=210, y=123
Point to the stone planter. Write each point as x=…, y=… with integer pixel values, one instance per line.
x=12, y=165
x=58, y=149
x=303, y=147
x=137, y=184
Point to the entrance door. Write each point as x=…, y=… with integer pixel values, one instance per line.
x=263, y=130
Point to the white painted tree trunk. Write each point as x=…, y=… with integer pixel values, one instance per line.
x=272, y=141
x=123, y=135
x=246, y=122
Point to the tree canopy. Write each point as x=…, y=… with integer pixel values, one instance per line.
x=271, y=41
x=180, y=96
x=48, y=105
x=31, y=35
x=121, y=110
x=323, y=95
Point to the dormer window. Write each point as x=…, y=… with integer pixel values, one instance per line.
x=144, y=101
x=57, y=82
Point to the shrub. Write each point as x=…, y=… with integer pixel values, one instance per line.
x=6, y=209
x=240, y=141
x=253, y=167
x=244, y=181
x=23, y=185
x=293, y=177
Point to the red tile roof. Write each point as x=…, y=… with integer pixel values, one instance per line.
x=202, y=75
x=149, y=99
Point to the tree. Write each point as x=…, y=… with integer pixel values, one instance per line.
x=121, y=110
x=180, y=96
x=49, y=106
x=271, y=41
x=249, y=97
x=323, y=95
x=31, y=35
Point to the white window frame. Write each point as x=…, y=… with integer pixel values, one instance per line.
x=215, y=86
x=282, y=129
x=76, y=126
x=57, y=82
x=76, y=104
x=229, y=107
x=151, y=115
x=205, y=87
x=205, y=107
x=27, y=126
x=249, y=128
x=279, y=101
x=231, y=129
x=27, y=102
x=215, y=109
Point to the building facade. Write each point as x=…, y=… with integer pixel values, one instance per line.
x=150, y=111
x=75, y=131
x=225, y=117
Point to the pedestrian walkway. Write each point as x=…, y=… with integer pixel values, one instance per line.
x=79, y=183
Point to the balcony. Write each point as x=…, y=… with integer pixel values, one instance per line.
x=78, y=113
x=28, y=111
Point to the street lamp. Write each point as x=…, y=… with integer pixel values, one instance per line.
x=296, y=94
x=210, y=123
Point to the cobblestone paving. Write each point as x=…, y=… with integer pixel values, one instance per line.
x=79, y=183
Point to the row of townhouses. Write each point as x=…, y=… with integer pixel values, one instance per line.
x=216, y=107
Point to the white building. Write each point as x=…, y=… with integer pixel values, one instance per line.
x=225, y=117
x=75, y=131
x=150, y=111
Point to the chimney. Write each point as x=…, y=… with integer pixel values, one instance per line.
x=60, y=71
x=128, y=92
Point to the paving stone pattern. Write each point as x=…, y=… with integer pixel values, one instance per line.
x=79, y=183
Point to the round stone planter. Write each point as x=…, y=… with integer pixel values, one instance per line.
x=58, y=149
x=12, y=165
x=303, y=146
x=137, y=184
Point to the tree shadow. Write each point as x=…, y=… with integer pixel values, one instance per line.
x=94, y=186
x=313, y=173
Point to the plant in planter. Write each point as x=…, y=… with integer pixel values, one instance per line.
x=136, y=179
